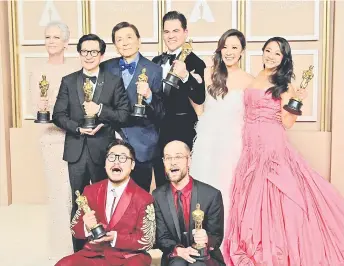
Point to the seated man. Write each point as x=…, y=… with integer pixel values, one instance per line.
x=125, y=210
x=174, y=204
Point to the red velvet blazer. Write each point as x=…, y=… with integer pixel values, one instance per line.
x=133, y=220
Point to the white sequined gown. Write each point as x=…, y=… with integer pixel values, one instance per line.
x=218, y=143
x=55, y=168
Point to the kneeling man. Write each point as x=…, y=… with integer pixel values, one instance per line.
x=175, y=204
x=124, y=209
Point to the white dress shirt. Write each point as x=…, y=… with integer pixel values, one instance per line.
x=94, y=86
x=92, y=75
x=111, y=192
x=118, y=191
x=167, y=67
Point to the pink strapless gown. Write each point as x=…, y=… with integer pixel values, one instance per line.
x=282, y=213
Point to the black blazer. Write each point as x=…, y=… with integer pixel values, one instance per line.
x=142, y=133
x=69, y=113
x=168, y=234
x=177, y=100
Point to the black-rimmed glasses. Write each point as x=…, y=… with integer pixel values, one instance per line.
x=93, y=53
x=122, y=158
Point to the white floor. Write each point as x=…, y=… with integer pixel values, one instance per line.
x=23, y=238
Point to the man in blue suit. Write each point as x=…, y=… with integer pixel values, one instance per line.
x=140, y=132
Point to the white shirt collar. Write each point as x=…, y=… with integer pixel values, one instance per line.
x=89, y=74
x=119, y=190
x=176, y=52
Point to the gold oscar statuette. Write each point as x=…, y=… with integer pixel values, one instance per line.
x=294, y=105
x=43, y=114
x=139, y=109
x=198, y=217
x=172, y=79
x=89, y=120
x=98, y=230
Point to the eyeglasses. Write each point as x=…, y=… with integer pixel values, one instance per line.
x=93, y=53
x=111, y=157
x=178, y=158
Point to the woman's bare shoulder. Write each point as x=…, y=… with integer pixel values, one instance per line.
x=246, y=78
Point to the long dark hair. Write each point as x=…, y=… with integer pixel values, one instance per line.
x=219, y=76
x=284, y=72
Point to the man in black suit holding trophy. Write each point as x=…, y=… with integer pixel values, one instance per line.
x=182, y=88
x=90, y=105
x=189, y=214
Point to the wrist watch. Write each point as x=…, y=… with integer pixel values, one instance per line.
x=78, y=130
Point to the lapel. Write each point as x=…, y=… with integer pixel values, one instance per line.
x=137, y=72
x=194, y=201
x=114, y=69
x=122, y=204
x=99, y=86
x=173, y=212
x=79, y=87
x=101, y=201
x=158, y=60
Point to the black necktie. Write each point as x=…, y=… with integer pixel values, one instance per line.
x=93, y=78
x=167, y=57
x=180, y=212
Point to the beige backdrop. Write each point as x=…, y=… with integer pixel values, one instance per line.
x=207, y=20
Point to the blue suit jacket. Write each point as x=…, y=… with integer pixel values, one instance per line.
x=142, y=133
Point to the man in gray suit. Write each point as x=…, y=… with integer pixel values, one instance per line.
x=140, y=132
x=85, y=148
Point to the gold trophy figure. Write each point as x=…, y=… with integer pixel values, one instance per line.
x=89, y=120
x=294, y=105
x=198, y=217
x=139, y=108
x=98, y=230
x=172, y=79
x=43, y=115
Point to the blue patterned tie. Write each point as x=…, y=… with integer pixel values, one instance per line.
x=131, y=67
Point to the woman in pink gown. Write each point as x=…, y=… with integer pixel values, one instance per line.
x=282, y=212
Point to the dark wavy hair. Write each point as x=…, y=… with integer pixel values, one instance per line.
x=119, y=142
x=219, y=76
x=91, y=37
x=284, y=72
x=172, y=15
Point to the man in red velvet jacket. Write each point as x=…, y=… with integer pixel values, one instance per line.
x=125, y=210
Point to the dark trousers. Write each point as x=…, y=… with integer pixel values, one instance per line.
x=142, y=174
x=177, y=261
x=81, y=173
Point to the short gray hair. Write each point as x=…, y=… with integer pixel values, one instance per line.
x=62, y=26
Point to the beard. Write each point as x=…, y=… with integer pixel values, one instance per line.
x=177, y=178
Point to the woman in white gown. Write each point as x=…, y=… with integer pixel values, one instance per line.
x=217, y=146
x=52, y=143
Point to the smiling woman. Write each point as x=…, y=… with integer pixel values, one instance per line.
x=52, y=143
x=56, y=39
